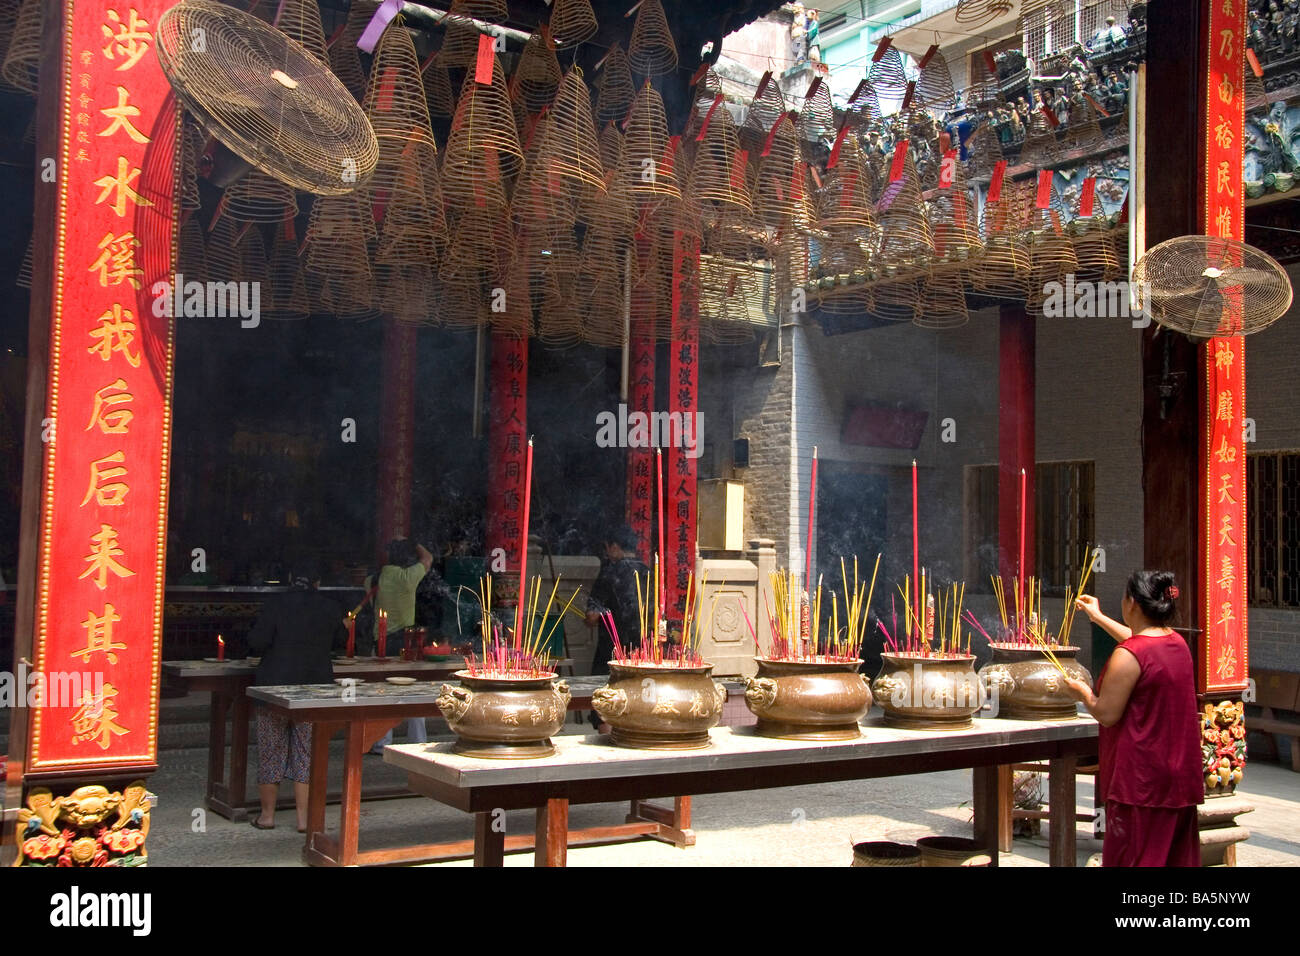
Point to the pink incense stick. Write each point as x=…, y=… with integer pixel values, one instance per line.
x=1020, y=609
x=916, y=550
x=663, y=554
x=523, y=547
x=812, y=507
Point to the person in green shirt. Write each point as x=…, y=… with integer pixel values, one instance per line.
x=407, y=565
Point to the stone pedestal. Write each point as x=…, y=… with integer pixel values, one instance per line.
x=1220, y=832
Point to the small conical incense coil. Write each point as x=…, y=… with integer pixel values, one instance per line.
x=841, y=279
x=409, y=233
x=1041, y=147
x=649, y=159
x=816, y=121
x=897, y=300
x=955, y=226
x=344, y=61
x=339, y=230
x=779, y=196
x=1084, y=129
x=405, y=291
x=549, y=249
x=934, y=84
x=726, y=291
x=765, y=109
x=223, y=256
x=299, y=20
x=977, y=13
x=906, y=242
x=602, y=309
x=983, y=151
x=191, y=251
x=288, y=284
x=573, y=22
x=350, y=296
x=1003, y=270
x=251, y=262
x=559, y=317
x=8, y=20
x=437, y=90
x=570, y=148
x=887, y=75
x=256, y=197
x=1095, y=245
x=616, y=205
x=651, y=50
x=189, y=169
x=460, y=44
x=541, y=197
x=483, y=148
x=482, y=241
x=616, y=87
x=982, y=87
x=720, y=172
x=537, y=76
x=943, y=302
x=398, y=112
x=1051, y=250
x=459, y=304
x=845, y=199
x=22, y=62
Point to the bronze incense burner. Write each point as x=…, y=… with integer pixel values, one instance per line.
x=1027, y=686
x=509, y=718
x=808, y=700
x=660, y=706
x=928, y=693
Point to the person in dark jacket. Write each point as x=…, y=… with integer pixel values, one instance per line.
x=615, y=591
x=295, y=634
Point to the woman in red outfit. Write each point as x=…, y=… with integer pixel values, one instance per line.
x=1149, y=778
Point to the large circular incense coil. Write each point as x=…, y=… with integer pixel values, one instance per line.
x=1051, y=251
x=541, y=198
x=977, y=13
x=482, y=241
x=573, y=22
x=300, y=21
x=887, y=75
x=21, y=67
x=616, y=87
x=256, y=197
x=288, y=286
x=863, y=112
x=482, y=149
x=934, y=85
x=943, y=302
x=615, y=206
x=648, y=169
x=538, y=74
x=1096, y=247
x=344, y=60
x=266, y=98
x=719, y=173
x=651, y=50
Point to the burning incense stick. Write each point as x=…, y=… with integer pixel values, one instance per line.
x=812, y=508
x=523, y=544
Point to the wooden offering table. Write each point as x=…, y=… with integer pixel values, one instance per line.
x=226, y=681
x=592, y=770
x=364, y=713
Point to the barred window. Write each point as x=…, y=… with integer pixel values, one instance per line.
x=1273, y=523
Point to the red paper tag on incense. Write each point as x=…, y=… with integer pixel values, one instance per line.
x=491, y=164
x=947, y=168
x=1051, y=116
x=796, y=183
x=731, y=284
x=1095, y=105
x=704, y=127
x=934, y=48
x=1056, y=221
x=812, y=171
x=857, y=90
x=991, y=63
x=1087, y=195
x=762, y=84
x=945, y=142
x=738, y=164
x=835, y=149
x=483, y=64
x=995, y=184
x=900, y=156
x=771, y=134
x=881, y=47
x=848, y=189
x=387, y=86
x=666, y=162
x=813, y=87
x=1044, y=198
x=907, y=97
x=699, y=74
x=1254, y=62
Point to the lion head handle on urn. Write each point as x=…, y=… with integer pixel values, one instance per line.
x=760, y=692
x=454, y=702
x=609, y=702
x=561, y=687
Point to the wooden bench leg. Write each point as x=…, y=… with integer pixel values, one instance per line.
x=489, y=843
x=552, y=843
x=239, y=720
x=988, y=813
x=1061, y=801
x=218, y=790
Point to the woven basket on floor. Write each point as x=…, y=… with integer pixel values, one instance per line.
x=951, y=851
x=884, y=853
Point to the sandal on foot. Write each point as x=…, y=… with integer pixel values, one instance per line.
x=261, y=826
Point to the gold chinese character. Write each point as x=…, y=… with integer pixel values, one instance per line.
x=1224, y=357
x=1225, y=454
x=103, y=557
x=96, y=718
x=99, y=635
x=1227, y=573
x=116, y=262
x=1225, y=489
x=1224, y=412
x=1223, y=222
x=1225, y=532
x=111, y=421
x=86, y=57
x=121, y=115
x=1227, y=663
x=1226, y=47
x=129, y=40
x=121, y=184
x=1223, y=181
x=82, y=137
x=116, y=333
x=107, y=492
x=83, y=119
x=1226, y=615
x=84, y=101
x=82, y=157
x=86, y=83
x=1226, y=89
x=1227, y=8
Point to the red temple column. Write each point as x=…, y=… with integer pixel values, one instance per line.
x=683, y=402
x=396, y=432
x=1016, y=355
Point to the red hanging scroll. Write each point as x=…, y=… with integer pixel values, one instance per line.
x=99, y=593
x=1224, y=664
x=641, y=397
x=397, y=431
x=507, y=445
x=683, y=405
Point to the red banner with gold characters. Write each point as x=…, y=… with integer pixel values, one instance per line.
x=98, y=620
x=397, y=431
x=641, y=398
x=683, y=400
x=507, y=446
x=1223, y=456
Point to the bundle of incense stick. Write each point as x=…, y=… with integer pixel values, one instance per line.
x=1024, y=623
x=656, y=647
x=797, y=623
x=516, y=655
x=1067, y=621
x=940, y=635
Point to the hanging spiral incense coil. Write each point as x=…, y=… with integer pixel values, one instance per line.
x=779, y=196
x=223, y=256
x=983, y=151
x=1003, y=270
x=8, y=20
x=934, y=85
x=537, y=76
x=288, y=285
x=649, y=159
x=840, y=279
x=651, y=50
x=979, y=12
x=887, y=75
x=348, y=296
x=765, y=109
x=344, y=61
x=864, y=111
x=897, y=299
x=1096, y=245
x=816, y=120
x=570, y=149
x=615, y=206
x=559, y=315
x=573, y=22
x=412, y=227
x=460, y=44
x=191, y=251
x=719, y=174
x=256, y=197
x=300, y=20
x=397, y=109
x=339, y=230
x=602, y=305
x=541, y=197
x=1051, y=251
x=616, y=87
x=982, y=87
x=942, y=303
x=482, y=242
x=906, y=242
x=482, y=149
x=1041, y=146
x=191, y=138
x=845, y=200
x=1084, y=129
x=438, y=93
x=22, y=62
x=955, y=226
x=512, y=313
x=251, y=263
x=405, y=292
